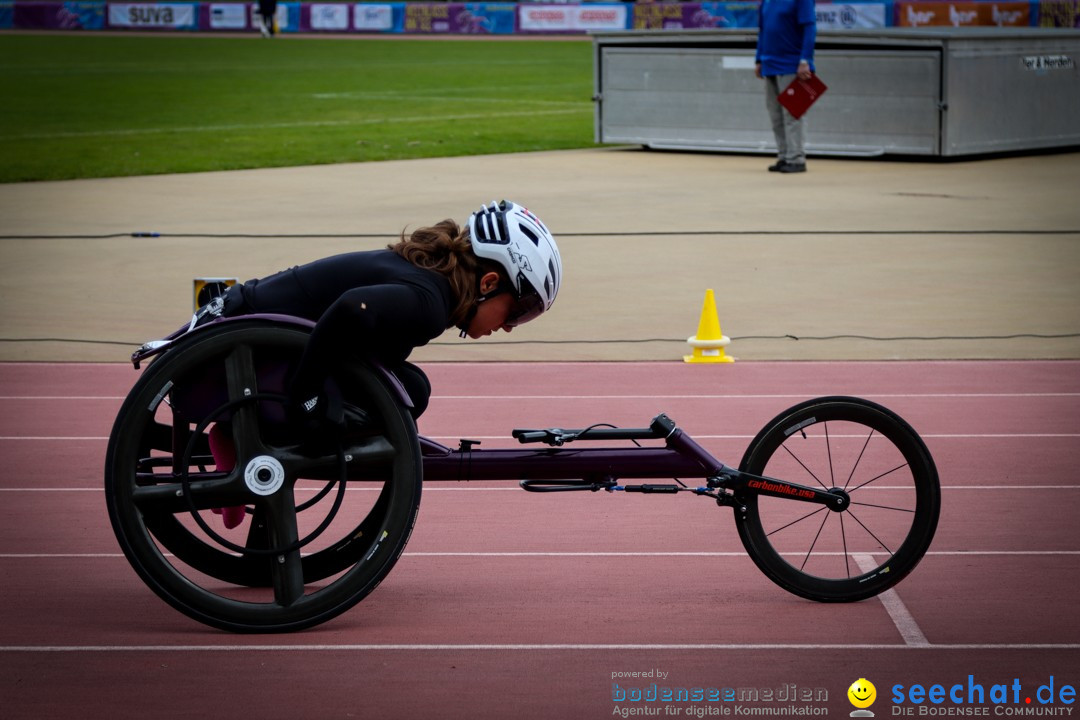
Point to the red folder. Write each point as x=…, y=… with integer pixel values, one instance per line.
x=801, y=94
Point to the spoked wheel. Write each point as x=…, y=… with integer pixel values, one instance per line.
x=304, y=550
x=869, y=454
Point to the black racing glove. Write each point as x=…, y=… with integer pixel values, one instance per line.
x=325, y=416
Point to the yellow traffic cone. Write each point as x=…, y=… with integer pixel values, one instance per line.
x=709, y=343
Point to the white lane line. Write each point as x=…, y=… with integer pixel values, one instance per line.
x=696, y=396
x=300, y=124
x=714, y=554
x=898, y=612
x=430, y=488
x=61, y=397
x=515, y=488
x=754, y=396
x=527, y=647
x=57, y=556
x=585, y=554
x=23, y=489
x=1003, y=552
x=53, y=438
x=509, y=439
x=123, y=366
x=473, y=99
x=747, y=437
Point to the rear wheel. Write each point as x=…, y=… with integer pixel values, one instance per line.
x=305, y=549
x=869, y=454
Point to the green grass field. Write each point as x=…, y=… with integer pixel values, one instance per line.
x=79, y=106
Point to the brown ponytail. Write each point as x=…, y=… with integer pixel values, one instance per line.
x=445, y=248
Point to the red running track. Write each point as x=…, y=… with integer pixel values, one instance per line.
x=513, y=605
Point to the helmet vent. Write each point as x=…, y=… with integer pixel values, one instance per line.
x=529, y=234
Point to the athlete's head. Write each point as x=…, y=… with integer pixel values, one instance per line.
x=513, y=237
x=503, y=267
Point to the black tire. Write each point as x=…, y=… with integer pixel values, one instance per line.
x=284, y=347
x=160, y=493
x=879, y=461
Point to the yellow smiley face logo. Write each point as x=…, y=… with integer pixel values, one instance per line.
x=862, y=693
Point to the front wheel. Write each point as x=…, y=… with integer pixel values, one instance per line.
x=850, y=446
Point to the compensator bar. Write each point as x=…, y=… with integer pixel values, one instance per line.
x=662, y=426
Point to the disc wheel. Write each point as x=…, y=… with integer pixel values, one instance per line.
x=870, y=455
x=305, y=550
x=200, y=385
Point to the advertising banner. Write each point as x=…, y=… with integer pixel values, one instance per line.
x=592, y=17
x=460, y=18
x=373, y=17
x=153, y=16
x=1059, y=13
x=329, y=17
x=962, y=14
x=674, y=16
x=225, y=16
x=73, y=15
x=484, y=18
x=663, y=15
x=531, y=17
x=7, y=15
x=729, y=14
x=845, y=16
x=678, y=15
x=427, y=18
x=707, y=15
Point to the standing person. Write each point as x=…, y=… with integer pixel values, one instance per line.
x=785, y=50
x=268, y=15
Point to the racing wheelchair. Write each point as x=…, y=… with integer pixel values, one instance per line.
x=835, y=500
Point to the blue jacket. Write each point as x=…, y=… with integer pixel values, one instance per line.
x=786, y=32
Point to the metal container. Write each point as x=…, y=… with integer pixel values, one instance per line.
x=904, y=91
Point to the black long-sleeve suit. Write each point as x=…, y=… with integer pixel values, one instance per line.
x=373, y=303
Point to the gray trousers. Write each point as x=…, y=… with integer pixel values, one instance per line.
x=788, y=130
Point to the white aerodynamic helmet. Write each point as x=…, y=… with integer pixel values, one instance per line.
x=513, y=237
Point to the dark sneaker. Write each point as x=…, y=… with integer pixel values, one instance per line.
x=778, y=166
x=792, y=168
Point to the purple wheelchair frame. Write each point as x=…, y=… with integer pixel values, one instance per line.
x=559, y=469
x=234, y=373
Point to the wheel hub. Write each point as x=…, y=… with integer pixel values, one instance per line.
x=843, y=500
x=264, y=475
